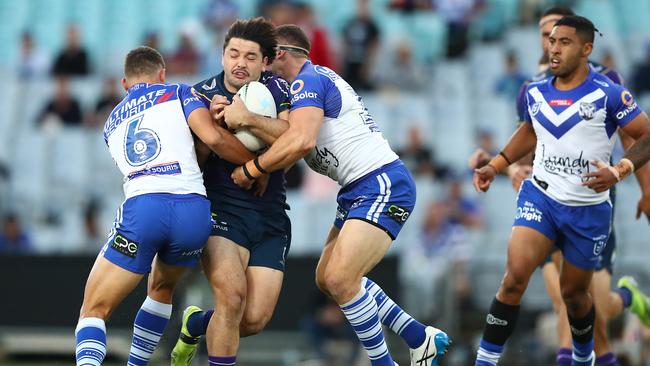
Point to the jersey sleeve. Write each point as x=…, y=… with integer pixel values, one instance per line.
x=279, y=88
x=307, y=91
x=621, y=106
x=189, y=100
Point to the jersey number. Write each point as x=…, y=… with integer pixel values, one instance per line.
x=141, y=145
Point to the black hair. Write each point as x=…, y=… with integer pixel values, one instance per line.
x=295, y=38
x=143, y=60
x=257, y=30
x=558, y=10
x=583, y=26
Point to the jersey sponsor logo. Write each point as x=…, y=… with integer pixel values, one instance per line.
x=556, y=165
x=125, y=245
x=587, y=110
x=599, y=244
x=398, y=214
x=627, y=98
x=132, y=106
x=304, y=95
x=493, y=320
x=528, y=212
x=327, y=72
x=622, y=114
x=561, y=102
x=160, y=169
x=297, y=86
x=190, y=100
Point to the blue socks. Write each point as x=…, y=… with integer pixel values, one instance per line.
x=91, y=342
x=563, y=357
x=626, y=295
x=149, y=325
x=197, y=323
x=608, y=359
x=361, y=312
x=392, y=316
x=222, y=360
x=583, y=353
x=488, y=354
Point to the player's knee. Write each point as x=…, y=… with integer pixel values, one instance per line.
x=575, y=298
x=513, y=286
x=340, y=286
x=253, y=323
x=231, y=300
x=320, y=282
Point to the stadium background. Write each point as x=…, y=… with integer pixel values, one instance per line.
x=435, y=104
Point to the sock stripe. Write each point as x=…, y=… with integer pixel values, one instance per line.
x=144, y=331
x=149, y=324
x=90, y=348
x=392, y=316
x=364, y=319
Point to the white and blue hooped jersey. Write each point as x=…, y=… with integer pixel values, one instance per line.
x=574, y=128
x=349, y=143
x=150, y=141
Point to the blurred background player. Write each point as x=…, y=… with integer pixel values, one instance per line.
x=245, y=255
x=331, y=128
x=609, y=303
x=165, y=216
x=552, y=204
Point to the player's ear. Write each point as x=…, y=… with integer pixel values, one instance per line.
x=162, y=74
x=124, y=85
x=587, y=48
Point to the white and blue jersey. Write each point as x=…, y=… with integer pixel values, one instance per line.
x=151, y=143
x=165, y=211
x=350, y=149
x=573, y=128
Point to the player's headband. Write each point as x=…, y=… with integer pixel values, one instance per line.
x=291, y=48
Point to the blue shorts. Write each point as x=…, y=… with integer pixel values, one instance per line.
x=580, y=232
x=607, y=257
x=384, y=197
x=176, y=227
x=266, y=234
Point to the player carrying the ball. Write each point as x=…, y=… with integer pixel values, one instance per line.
x=245, y=254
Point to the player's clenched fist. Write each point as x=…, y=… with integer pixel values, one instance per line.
x=483, y=177
x=217, y=106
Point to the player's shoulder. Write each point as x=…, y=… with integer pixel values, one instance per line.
x=210, y=85
x=271, y=80
x=610, y=73
x=540, y=84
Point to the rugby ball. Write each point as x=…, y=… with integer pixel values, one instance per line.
x=258, y=99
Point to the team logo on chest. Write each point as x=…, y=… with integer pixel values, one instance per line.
x=534, y=109
x=587, y=110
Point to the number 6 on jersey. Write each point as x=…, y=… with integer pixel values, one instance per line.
x=141, y=145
